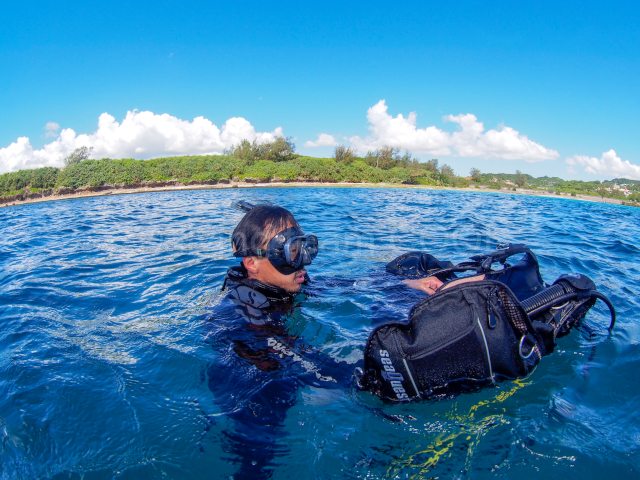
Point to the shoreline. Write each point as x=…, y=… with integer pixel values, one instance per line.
x=223, y=186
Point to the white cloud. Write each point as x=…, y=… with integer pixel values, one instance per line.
x=402, y=133
x=20, y=155
x=139, y=135
x=608, y=164
x=469, y=141
x=506, y=143
x=324, y=140
x=51, y=129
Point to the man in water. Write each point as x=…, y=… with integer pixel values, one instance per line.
x=258, y=364
x=273, y=247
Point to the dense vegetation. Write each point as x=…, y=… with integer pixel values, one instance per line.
x=278, y=161
x=249, y=161
x=215, y=168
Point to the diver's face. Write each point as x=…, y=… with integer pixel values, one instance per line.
x=262, y=270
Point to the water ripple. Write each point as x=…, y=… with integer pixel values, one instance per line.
x=103, y=358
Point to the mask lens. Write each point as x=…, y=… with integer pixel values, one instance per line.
x=312, y=246
x=295, y=250
x=291, y=249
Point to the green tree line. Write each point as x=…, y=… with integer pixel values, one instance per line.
x=278, y=161
x=274, y=161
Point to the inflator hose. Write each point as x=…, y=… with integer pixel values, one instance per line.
x=609, y=304
x=563, y=298
x=544, y=299
x=559, y=293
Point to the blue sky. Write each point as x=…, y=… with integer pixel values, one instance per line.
x=563, y=74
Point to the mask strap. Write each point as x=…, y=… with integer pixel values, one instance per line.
x=258, y=252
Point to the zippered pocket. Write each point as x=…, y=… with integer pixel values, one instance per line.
x=453, y=320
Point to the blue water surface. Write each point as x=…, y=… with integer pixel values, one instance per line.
x=104, y=360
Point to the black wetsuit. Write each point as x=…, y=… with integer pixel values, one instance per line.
x=259, y=367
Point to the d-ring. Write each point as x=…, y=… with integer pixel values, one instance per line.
x=520, y=349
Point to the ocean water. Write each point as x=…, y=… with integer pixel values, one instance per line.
x=103, y=358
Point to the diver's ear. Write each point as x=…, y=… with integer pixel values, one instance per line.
x=251, y=264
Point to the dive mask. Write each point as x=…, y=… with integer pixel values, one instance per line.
x=288, y=251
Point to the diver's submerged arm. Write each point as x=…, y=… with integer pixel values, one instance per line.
x=476, y=278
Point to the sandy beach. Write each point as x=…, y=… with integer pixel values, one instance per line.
x=145, y=189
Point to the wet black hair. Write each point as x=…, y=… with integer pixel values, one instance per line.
x=259, y=225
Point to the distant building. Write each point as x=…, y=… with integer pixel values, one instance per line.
x=621, y=189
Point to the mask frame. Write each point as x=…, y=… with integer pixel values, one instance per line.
x=288, y=251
